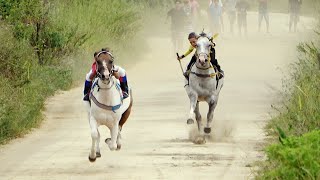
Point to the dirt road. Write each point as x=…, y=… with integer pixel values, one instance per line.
x=156, y=142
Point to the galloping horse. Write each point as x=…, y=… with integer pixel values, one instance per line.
x=107, y=105
x=203, y=84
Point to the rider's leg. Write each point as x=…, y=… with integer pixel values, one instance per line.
x=214, y=61
x=192, y=61
x=87, y=86
x=124, y=86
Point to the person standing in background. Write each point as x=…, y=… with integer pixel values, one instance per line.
x=230, y=8
x=294, y=10
x=177, y=16
x=215, y=16
x=263, y=13
x=195, y=13
x=188, y=16
x=242, y=7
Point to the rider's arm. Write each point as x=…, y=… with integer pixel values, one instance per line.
x=118, y=72
x=191, y=48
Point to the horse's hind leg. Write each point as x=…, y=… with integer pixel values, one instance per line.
x=94, y=137
x=212, y=106
x=126, y=114
x=119, y=140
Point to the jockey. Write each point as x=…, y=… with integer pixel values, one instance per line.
x=118, y=73
x=193, y=37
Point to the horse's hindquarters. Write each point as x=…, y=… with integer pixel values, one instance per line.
x=127, y=113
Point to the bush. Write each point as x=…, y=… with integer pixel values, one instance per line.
x=300, y=113
x=20, y=107
x=295, y=158
x=37, y=41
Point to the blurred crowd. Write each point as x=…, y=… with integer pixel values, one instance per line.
x=186, y=13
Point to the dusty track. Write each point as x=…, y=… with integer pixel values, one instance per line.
x=155, y=139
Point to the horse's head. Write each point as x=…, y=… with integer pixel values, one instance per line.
x=203, y=51
x=104, y=61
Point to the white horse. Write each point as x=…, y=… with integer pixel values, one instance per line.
x=107, y=106
x=203, y=84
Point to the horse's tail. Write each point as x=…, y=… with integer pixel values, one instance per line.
x=126, y=114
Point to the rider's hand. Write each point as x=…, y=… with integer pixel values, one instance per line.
x=180, y=57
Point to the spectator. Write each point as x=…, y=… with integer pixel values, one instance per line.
x=230, y=8
x=242, y=7
x=215, y=16
x=294, y=10
x=177, y=16
x=263, y=13
x=188, y=16
x=195, y=12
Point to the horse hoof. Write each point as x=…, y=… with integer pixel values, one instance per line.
x=108, y=140
x=92, y=159
x=118, y=147
x=207, y=130
x=190, y=121
x=98, y=154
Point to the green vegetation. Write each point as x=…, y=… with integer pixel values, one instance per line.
x=294, y=158
x=47, y=45
x=297, y=124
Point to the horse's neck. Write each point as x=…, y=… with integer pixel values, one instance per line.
x=107, y=95
x=202, y=71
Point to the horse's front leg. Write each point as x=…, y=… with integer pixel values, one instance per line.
x=212, y=106
x=98, y=154
x=198, y=117
x=114, y=131
x=193, y=103
x=94, y=137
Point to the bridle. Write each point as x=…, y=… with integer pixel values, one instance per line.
x=103, y=80
x=99, y=75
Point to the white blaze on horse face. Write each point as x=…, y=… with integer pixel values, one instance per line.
x=203, y=46
x=203, y=50
x=202, y=58
x=106, y=72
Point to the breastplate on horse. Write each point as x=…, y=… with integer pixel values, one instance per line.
x=107, y=105
x=203, y=84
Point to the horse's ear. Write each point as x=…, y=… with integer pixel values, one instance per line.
x=94, y=54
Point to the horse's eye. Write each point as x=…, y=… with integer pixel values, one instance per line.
x=110, y=62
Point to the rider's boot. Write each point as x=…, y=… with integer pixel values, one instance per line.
x=86, y=91
x=221, y=72
x=124, y=86
x=186, y=74
x=214, y=62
